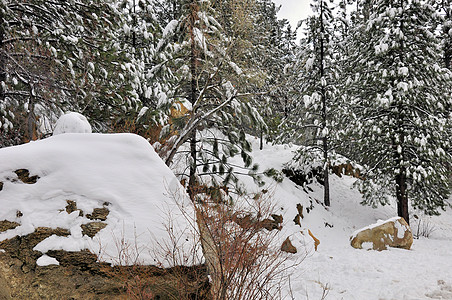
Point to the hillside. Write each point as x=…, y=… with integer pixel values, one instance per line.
x=118, y=181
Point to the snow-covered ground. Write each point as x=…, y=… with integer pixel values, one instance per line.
x=424, y=272
x=123, y=173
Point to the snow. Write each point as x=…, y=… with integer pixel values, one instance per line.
x=123, y=173
x=118, y=171
x=424, y=272
x=46, y=261
x=72, y=122
x=378, y=223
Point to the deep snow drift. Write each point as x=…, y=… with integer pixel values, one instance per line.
x=118, y=171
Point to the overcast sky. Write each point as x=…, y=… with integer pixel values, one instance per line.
x=293, y=10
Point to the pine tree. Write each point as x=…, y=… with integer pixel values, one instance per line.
x=57, y=56
x=213, y=130
x=313, y=120
x=445, y=9
x=399, y=97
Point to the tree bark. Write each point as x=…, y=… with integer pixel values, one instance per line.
x=192, y=184
x=2, y=57
x=326, y=187
x=402, y=195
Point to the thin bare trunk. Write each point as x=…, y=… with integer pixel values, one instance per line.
x=326, y=187
x=2, y=57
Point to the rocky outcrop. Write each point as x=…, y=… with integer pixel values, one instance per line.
x=346, y=169
x=394, y=232
x=79, y=275
x=6, y=225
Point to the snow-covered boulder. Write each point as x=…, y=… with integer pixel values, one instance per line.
x=72, y=122
x=394, y=232
x=107, y=193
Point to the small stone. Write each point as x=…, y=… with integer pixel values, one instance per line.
x=24, y=176
x=1, y=185
x=288, y=247
x=72, y=206
x=91, y=229
x=99, y=214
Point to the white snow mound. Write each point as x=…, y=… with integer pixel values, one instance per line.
x=120, y=172
x=72, y=122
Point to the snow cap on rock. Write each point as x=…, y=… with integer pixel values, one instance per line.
x=72, y=122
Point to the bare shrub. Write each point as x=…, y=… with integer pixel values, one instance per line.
x=423, y=227
x=243, y=259
x=232, y=255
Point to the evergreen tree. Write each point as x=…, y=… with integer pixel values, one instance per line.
x=399, y=97
x=313, y=120
x=205, y=76
x=144, y=39
x=445, y=9
x=57, y=56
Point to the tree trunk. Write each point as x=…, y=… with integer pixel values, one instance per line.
x=211, y=256
x=192, y=184
x=2, y=57
x=326, y=187
x=208, y=245
x=261, y=139
x=448, y=48
x=402, y=196
x=31, y=133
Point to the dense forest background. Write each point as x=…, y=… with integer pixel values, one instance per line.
x=370, y=80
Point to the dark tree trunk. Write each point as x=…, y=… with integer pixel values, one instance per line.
x=2, y=57
x=326, y=187
x=402, y=195
x=399, y=148
x=448, y=48
x=192, y=184
x=261, y=139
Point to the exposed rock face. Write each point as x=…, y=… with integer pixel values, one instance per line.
x=346, y=169
x=99, y=214
x=6, y=225
x=72, y=206
x=21, y=247
x=394, y=232
x=91, y=229
x=80, y=276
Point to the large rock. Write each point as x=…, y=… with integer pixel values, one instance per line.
x=79, y=275
x=394, y=232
